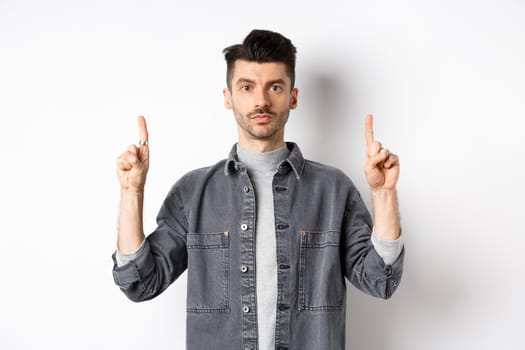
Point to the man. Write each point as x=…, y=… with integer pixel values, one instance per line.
x=267, y=236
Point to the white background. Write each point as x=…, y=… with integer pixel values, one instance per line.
x=444, y=79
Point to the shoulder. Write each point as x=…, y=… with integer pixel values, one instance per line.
x=204, y=172
x=317, y=170
x=197, y=177
x=330, y=179
x=323, y=177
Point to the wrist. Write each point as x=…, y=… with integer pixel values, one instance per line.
x=386, y=213
x=132, y=192
x=382, y=192
x=131, y=200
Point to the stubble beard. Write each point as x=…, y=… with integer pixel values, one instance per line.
x=265, y=131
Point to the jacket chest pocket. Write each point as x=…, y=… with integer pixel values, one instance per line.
x=208, y=272
x=321, y=281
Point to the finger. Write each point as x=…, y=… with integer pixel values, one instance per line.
x=369, y=131
x=377, y=159
x=375, y=148
x=122, y=164
x=133, y=149
x=125, y=161
x=143, y=129
x=143, y=153
x=383, y=156
x=392, y=160
x=131, y=158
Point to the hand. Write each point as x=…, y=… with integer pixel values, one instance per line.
x=382, y=167
x=132, y=165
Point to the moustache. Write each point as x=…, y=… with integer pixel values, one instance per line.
x=262, y=111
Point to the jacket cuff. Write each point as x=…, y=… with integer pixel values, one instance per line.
x=124, y=258
x=388, y=250
x=136, y=269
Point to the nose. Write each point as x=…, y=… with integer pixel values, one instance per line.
x=261, y=99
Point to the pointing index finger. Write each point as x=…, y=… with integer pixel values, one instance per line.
x=369, y=131
x=143, y=130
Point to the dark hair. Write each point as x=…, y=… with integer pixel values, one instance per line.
x=262, y=46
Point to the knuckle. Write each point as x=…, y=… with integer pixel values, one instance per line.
x=130, y=157
x=121, y=158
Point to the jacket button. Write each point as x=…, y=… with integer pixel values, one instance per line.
x=244, y=268
x=282, y=226
x=284, y=266
x=245, y=309
x=283, y=307
x=244, y=227
x=246, y=189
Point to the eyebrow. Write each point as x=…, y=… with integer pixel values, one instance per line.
x=244, y=80
x=271, y=82
x=277, y=81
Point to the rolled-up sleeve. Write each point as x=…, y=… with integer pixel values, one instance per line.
x=162, y=258
x=135, y=270
x=124, y=258
x=388, y=249
x=364, y=267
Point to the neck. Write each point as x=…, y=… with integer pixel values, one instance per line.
x=262, y=163
x=261, y=146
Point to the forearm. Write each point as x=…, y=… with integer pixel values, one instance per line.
x=130, y=223
x=386, y=214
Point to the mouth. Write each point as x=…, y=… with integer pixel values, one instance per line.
x=262, y=118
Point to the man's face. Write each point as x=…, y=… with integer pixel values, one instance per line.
x=261, y=99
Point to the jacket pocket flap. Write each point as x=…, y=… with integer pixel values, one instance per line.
x=319, y=239
x=207, y=240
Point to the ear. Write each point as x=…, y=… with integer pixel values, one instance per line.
x=293, y=98
x=227, y=98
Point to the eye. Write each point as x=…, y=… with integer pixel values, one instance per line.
x=275, y=88
x=245, y=88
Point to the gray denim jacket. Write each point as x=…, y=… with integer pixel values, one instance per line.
x=206, y=224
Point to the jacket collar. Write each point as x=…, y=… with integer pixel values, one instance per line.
x=295, y=161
